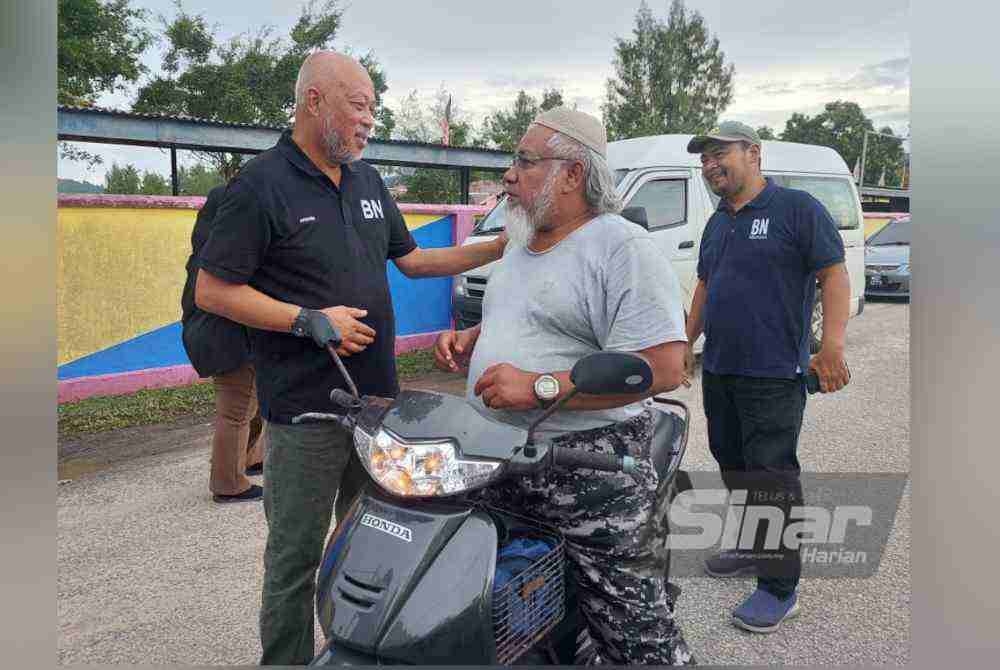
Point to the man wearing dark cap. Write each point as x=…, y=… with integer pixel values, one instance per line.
x=762, y=253
x=578, y=278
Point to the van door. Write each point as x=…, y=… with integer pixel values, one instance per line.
x=666, y=195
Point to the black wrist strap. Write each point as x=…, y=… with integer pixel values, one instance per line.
x=300, y=326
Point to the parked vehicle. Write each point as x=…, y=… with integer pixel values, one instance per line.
x=659, y=175
x=887, y=260
x=421, y=571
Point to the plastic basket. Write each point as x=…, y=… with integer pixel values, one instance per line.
x=531, y=603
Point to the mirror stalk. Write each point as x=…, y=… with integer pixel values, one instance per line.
x=529, y=450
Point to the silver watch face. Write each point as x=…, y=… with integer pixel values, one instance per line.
x=546, y=387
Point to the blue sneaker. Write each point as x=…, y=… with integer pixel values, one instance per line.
x=763, y=612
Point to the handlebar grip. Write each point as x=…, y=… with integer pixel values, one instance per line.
x=343, y=398
x=566, y=457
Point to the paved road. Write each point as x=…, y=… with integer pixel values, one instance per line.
x=151, y=571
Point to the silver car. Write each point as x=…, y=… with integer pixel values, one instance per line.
x=887, y=260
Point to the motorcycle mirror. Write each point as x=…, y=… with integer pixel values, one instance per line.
x=637, y=215
x=611, y=373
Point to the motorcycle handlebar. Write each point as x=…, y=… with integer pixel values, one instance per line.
x=565, y=457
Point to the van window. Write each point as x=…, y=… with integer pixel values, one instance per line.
x=835, y=193
x=665, y=201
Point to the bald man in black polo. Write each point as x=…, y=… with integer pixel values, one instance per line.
x=305, y=230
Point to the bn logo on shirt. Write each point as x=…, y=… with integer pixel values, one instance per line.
x=372, y=209
x=758, y=229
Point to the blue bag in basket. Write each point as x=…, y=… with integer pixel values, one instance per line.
x=524, y=615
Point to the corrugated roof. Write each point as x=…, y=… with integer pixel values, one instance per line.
x=212, y=122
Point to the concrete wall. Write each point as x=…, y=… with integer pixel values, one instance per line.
x=121, y=272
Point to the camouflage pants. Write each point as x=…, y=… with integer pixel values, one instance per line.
x=615, y=530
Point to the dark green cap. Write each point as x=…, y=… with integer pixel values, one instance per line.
x=727, y=131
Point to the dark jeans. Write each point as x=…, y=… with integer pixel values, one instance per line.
x=304, y=467
x=753, y=433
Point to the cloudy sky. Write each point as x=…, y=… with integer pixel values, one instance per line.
x=789, y=56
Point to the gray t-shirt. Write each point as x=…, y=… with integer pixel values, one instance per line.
x=603, y=287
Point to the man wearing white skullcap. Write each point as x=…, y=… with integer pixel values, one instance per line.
x=577, y=278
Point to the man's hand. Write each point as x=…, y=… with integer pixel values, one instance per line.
x=453, y=349
x=503, y=386
x=355, y=336
x=831, y=369
x=688, y=365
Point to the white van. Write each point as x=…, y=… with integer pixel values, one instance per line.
x=658, y=174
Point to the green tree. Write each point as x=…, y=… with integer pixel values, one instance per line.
x=99, y=48
x=98, y=51
x=198, y=179
x=766, y=133
x=154, y=184
x=248, y=79
x=122, y=180
x=670, y=78
x=416, y=123
x=504, y=128
x=841, y=126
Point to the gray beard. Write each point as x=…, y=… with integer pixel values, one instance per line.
x=523, y=221
x=337, y=151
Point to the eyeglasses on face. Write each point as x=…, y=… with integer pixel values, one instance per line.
x=523, y=161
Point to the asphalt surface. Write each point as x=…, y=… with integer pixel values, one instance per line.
x=152, y=571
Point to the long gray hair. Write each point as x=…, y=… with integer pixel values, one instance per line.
x=599, y=185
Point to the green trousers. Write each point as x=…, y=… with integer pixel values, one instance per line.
x=304, y=468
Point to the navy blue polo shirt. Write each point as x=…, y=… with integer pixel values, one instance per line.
x=759, y=266
x=286, y=230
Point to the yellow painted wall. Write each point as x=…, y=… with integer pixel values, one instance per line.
x=121, y=273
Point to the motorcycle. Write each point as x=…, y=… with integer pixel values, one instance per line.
x=421, y=571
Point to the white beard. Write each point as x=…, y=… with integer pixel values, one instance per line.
x=524, y=221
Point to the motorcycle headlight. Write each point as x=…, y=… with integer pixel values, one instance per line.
x=422, y=469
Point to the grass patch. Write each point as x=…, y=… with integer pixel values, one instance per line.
x=415, y=363
x=142, y=408
x=151, y=406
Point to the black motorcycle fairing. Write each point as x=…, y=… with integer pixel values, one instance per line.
x=386, y=553
x=340, y=655
x=447, y=618
x=425, y=416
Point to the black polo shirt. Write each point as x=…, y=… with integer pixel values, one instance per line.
x=759, y=266
x=286, y=230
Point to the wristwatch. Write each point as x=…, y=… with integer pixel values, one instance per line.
x=546, y=390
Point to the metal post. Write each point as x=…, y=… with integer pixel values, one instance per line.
x=174, y=182
x=864, y=151
x=465, y=175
